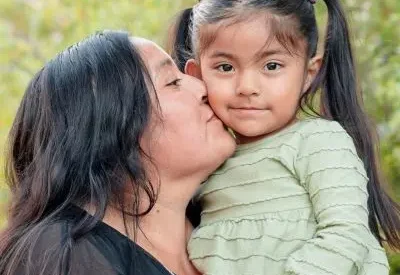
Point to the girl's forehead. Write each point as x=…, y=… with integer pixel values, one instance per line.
x=258, y=32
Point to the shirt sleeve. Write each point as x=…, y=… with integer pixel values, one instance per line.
x=334, y=176
x=85, y=258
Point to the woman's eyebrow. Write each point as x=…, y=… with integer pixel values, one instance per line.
x=167, y=62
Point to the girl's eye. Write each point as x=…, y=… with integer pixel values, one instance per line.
x=176, y=82
x=272, y=66
x=225, y=68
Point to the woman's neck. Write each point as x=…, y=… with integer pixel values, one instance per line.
x=164, y=233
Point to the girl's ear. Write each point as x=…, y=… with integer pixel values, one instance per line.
x=193, y=68
x=314, y=64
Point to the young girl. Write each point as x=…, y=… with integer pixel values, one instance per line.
x=300, y=195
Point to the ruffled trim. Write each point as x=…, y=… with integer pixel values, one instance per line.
x=269, y=241
x=244, y=203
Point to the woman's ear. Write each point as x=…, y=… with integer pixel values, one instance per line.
x=314, y=64
x=193, y=68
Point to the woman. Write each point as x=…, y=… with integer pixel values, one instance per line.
x=108, y=146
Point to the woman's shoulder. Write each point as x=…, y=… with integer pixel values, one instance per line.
x=102, y=250
x=86, y=254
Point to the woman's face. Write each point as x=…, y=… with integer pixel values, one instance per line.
x=184, y=138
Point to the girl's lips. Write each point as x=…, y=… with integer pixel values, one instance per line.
x=247, y=112
x=248, y=109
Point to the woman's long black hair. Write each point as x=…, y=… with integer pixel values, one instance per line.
x=75, y=140
x=340, y=98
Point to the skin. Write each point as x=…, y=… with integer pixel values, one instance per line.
x=254, y=85
x=186, y=142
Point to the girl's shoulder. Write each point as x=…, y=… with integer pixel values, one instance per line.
x=310, y=132
x=318, y=134
x=311, y=126
x=303, y=129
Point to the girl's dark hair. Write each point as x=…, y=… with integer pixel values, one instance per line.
x=180, y=45
x=75, y=140
x=336, y=80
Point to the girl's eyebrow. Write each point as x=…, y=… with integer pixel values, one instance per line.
x=218, y=54
x=260, y=55
x=265, y=53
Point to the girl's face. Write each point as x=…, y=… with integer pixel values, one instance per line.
x=254, y=83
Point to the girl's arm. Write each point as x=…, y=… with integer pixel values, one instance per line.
x=330, y=170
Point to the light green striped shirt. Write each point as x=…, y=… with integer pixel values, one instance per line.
x=292, y=203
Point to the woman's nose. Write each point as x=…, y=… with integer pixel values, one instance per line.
x=198, y=87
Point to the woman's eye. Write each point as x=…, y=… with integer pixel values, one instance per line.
x=272, y=66
x=176, y=82
x=225, y=68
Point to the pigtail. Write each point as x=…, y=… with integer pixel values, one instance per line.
x=179, y=43
x=341, y=102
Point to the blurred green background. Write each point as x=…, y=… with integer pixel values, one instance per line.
x=32, y=31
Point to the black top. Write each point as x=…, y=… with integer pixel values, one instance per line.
x=103, y=250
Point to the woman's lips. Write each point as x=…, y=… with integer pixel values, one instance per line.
x=213, y=118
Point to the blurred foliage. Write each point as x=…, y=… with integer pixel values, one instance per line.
x=32, y=31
